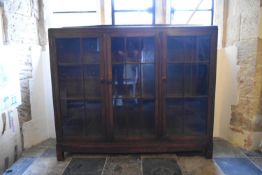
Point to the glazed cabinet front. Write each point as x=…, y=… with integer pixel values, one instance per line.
x=80, y=88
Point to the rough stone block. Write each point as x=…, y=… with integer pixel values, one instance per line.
x=249, y=26
x=240, y=121
x=247, y=49
x=243, y=113
x=249, y=6
x=234, y=7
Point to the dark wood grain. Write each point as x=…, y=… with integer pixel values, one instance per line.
x=192, y=129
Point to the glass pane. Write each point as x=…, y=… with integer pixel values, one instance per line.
x=91, y=50
x=148, y=118
x=134, y=118
x=125, y=80
x=92, y=81
x=126, y=115
x=118, y=49
x=181, y=49
x=201, y=18
x=133, y=4
x=175, y=80
x=191, y=4
x=131, y=76
x=133, y=18
x=198, y=18
x=196, y=79
x=72, y=117
x=148, y=51
x=76, y=5
x=203, y=48
x=74, y=19
x=118, y=80
x=148, y=80
x=94, y=125
x=174, y=116
x=196, y=116
x=133, y=49
x=68, y=50
x=71, y=82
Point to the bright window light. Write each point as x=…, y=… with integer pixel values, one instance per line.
x=191, y=4
x=74, y=5
x=133, y=4
x=133, y=18
x=68, y=13
x=127, y=12
x=192, y=12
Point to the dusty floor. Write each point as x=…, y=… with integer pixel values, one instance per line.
x=227, y=159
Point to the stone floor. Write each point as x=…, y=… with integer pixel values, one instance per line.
x=227, y=160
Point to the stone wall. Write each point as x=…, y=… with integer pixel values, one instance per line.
x=242, y=32
x=21, y=19
x=24, y=33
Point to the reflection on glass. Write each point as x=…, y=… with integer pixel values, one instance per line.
x=125, y=84
x=174, y=116
x=92, y=81
x=131, y=79
x=175, y=80
x=148, y=80
x=72, y=114
x=118, y=79
x=196, y=116
x=68, y=50
x=71, y=82
x=91, y=50
x=148, y=51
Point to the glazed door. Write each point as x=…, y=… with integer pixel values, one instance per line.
x=133, y=88
x=186, y=84
x=81, y=72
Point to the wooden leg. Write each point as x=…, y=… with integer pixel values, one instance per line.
x=59, y=153
x=209, y=150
